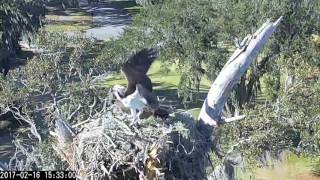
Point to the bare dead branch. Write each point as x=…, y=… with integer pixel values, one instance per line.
x=231, y=73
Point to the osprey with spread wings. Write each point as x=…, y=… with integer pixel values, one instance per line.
x=138, y=95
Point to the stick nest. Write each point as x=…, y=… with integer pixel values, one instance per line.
x=108, y=148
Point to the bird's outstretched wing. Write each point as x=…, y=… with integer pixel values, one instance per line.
x=136, y=69
x=142, y=60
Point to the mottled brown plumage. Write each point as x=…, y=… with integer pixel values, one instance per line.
x=136, y=68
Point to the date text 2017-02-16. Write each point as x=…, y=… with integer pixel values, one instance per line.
x=37, y=175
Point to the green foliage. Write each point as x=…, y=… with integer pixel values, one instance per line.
x=149, y=2
x=194, y=35
x=290, y=123
x=64, y=3
x=54, y=83
x=289, y=52
x=271, y=84
x=289, y=120
x=185, y=34
x=17, y=18
x=65, y=66
x=198, y=34
x=10, y=91
x=65, y=58
x=46, y=158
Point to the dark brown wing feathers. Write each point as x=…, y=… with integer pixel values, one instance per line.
x=142, y=60
x=136, y=69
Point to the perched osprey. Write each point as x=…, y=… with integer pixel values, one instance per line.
x=138, y=93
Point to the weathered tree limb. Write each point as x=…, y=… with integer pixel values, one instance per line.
x=65, y=136
x=17, y=115
x=231, y=73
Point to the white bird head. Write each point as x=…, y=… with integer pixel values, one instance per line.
x=119, y=91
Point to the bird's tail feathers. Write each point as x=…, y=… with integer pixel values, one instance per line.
x=161, y=112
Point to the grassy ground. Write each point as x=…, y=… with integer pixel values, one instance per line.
x=68, y=21
x=66, y=28
x=75, y=20
x=74, y=16
x=292, y=167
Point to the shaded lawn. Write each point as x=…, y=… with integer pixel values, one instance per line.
x=130, y=6
x=79, y=20
x=165, y=85
x=74, y=20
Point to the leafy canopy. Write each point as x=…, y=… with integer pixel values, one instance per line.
x=17, y=18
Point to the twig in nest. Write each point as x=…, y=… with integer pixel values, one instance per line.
x=17, y=115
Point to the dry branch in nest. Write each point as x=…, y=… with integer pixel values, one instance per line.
x=108, y=148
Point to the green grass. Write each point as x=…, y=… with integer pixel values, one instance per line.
x=52, y=17
x=81, y=18
x=166, y=80
x=73, y=17
x=292, y=167
x=316, y=167
x=75, y=20
x=68, y=21
x=195, y=112
x=66, y=28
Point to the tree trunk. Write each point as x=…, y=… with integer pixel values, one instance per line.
x=231, y=73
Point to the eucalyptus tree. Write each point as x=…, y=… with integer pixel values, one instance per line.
x=149, y=2
x=186, y=34
x=17, y=18
x=198, y=36
x=291, y=52
x=69, y=3
x=290, y=119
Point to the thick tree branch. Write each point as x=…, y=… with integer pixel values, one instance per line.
x=231, y=73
